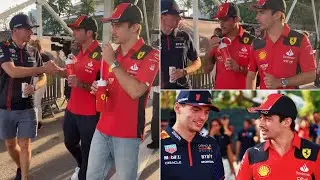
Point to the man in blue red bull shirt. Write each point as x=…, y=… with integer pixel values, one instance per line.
x=185, y=154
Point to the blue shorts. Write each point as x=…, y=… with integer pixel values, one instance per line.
x=18, y=123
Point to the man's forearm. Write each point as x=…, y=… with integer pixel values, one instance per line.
x=21, y=72
x=230, y=155
x=251, y=80
x=302, y=79
x=194, y=66
x=208, y=63
x=84, y=86
x=63, y=73
x=132, y=86
x=237, y=148
x=41, y=82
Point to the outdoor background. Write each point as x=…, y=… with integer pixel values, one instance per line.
x=69, y=10
x=235, y=104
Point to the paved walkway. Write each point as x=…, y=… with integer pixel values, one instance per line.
x=52, y=161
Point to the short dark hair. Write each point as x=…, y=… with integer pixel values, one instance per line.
x=220, y=124
x=140, y=27
x=292, y=125
x=283, y=16
x=94, y=34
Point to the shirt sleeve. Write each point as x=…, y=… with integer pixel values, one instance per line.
x=149, y=68
x=317, y=171
x=228, y=139
x=306, y=60
x=192, y=53
x=245, y=172
x=218, y=165
x=318, y=133
x=252, y=61
x=4, y=54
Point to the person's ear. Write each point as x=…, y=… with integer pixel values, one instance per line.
x=177, y=108
x=134, y=28
x=237, y=19
x=287, y=122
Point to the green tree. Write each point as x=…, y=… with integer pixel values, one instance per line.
x=87, y=7
x=167, y=99
x=61, y=7
x=308, y=108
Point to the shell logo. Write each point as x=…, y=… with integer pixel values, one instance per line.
x=262, y=55
x=264, y=171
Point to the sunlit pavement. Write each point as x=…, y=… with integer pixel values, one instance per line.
x=52, y=161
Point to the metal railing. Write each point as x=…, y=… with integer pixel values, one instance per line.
x=201, y=80
x=53, y=93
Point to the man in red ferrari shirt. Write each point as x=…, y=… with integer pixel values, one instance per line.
x=283, y=57
x=231, y=73
x=130, y=72
x=81, y=117
x=284, y=154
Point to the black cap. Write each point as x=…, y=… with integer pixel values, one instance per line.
x=277, y=104
x=125, y=12
x=21, y=21
x=227, y=10
x=170, y=7
x=278, y=5
x=85, y=22
x=196, y=98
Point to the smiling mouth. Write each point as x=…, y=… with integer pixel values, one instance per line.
x=264, y=131
x=199, y=123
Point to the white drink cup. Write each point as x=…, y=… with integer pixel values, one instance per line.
x=23, y=85
x=171, y=71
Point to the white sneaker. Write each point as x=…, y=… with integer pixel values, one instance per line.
x=75, y=174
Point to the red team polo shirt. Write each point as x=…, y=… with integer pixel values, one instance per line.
x=87, y=68
x=282, y=58
x=239, y=50
x=125, y=117
x=301, y=162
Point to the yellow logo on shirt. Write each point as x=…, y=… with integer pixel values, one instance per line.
x=94, y=55
x=293, y=40
x=164, y=135
x=306, y=152
x=264, y=171
x=245, y=40
x=262, y=55
x=103, y=97
x=140, y=55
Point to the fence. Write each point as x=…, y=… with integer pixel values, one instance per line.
x=201, y=80
x=54, y=92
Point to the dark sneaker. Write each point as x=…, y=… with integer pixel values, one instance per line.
x=18, y=175
x=153, y=145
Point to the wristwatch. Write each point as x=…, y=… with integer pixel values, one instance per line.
x=115, y=64
x=86, y=86
x=284, y=82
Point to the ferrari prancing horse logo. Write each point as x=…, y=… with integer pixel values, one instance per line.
x=140, y=55
x=293, y=40
x=306, y=152
x=246, y=40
